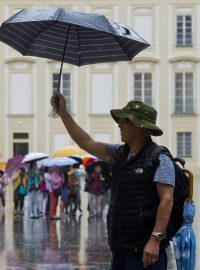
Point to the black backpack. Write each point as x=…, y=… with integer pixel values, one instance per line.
x=181, y=190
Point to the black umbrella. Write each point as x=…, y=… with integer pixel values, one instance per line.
x=78, y=159
x=87, y=38
x=74, y=37
x=103, y=164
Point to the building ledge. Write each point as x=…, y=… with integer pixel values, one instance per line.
x=146, y=59
x=20, y=115
x=184, y=58
x=182, y=115
x=20, y=59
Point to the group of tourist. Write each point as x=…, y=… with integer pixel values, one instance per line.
x=47, y=187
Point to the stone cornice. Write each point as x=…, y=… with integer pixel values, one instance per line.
x=20, y=59
x=184, y=58
x=146, y=59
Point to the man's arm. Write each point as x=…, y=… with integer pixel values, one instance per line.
x=81, y=137
x=151, y=250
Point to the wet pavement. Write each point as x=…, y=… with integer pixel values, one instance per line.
x=44, y=244
x=71, y=243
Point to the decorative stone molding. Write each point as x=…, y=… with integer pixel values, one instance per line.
x=146, y=59
x=184, y=59
x=20, y=59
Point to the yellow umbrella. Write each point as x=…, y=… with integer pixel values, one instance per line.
x=2, y=165
x=68, y=151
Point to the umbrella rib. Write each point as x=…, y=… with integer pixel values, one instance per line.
x=121, y=46
x=42, y=30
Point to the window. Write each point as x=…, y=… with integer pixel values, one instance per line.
x=143, y=26
x=184, y=30
x=20, y=100
x=184, y=100
x=65, y=87
x=20, y=143
x=101, y=96
x=184, y=144
x=143, y=87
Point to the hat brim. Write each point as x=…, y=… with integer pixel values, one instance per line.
x=118, y=114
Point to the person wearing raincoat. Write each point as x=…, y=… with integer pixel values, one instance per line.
x=141, y=190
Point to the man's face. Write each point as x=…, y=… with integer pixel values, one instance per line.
x=128, y=131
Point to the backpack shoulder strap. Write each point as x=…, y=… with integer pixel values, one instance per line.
x=159, y=149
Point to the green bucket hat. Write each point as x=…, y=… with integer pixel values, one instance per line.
x=140, y=114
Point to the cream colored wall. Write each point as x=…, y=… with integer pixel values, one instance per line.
x=163, y=58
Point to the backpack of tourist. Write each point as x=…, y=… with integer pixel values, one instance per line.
x=181, y=190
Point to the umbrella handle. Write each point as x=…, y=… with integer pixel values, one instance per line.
x=190, y=174
x=55, y=112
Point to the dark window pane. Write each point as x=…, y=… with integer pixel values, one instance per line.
x=55, y=76
x=137, y=76
x=20, y=149
x=188, y=18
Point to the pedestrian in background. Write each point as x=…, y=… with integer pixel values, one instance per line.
x=33, y=187
x=73, y=185
x=18, y=197
x=3, y=182
x=43, y=193
x=95, y=189
x=57, y=180
x=64, y=194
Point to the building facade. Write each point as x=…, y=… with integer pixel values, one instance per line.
x=165, y=75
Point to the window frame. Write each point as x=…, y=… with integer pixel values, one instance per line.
x=186, y=87
x=183, y=144
x=182, y=40
x=143, y=89
x=63, y=81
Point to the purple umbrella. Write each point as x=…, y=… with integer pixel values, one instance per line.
x=12, y=166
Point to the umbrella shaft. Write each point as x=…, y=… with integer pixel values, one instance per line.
x=63, y=56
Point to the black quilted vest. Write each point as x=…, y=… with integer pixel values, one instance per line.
x=134, y=201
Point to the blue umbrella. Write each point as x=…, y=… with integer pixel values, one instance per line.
x=58, y=162
x=184, y=240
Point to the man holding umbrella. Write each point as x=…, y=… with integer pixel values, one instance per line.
x=141, y=191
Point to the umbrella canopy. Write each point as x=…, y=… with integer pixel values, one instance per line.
x=13, y=165
x=57, y=161
x=73, y=37
x=2, y=165
x=77, y=158
x=86, y=159
x=34, y=156
x=67, y=151
x=84, y=38
x=184, y=240
x=104, y=167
